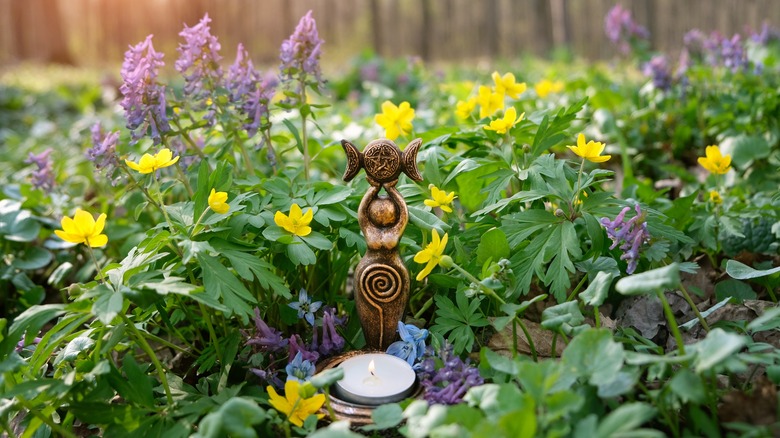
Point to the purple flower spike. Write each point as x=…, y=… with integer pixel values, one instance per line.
x=630, y=235
x=297, y=346
x=199, y=63
x=43, y=176
x=103, y=151
x=300, y=54
x=332, y=341
x=267, y=338
x=449, y=383
x=621, y=28
x=143, y=97
x=660, y=71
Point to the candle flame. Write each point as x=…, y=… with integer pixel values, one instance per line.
x=372, y=368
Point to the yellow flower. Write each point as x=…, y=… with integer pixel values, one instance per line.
x=464, y=109
x=396, y=120
x=217, y=202
x=502, y=125
x=590, y=151
x=432, y=254
x=83, y=229
x=440, y=198
x=296, y=408
x=546, y=86
x=150, y=163
x=489, y=102
x=506, y=85
x=714, y=162
x=715, y=197
x=297, y=223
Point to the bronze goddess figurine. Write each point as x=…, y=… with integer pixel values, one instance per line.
x=381, y=279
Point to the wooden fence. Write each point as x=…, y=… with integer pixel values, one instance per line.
x=97, y=32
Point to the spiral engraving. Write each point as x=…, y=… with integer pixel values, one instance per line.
x=380, y=283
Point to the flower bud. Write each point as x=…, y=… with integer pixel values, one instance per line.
x=446, y=262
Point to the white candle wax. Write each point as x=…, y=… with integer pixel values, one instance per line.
x=392, y=379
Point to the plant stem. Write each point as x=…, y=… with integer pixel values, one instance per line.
x=184, y=180
x=153, y=357
x=328, y=406
x=672, y=322
x=597, y=316
x=695, y=309
x=94, y=260
x=212, y=333
x=162, y=203
x=304, y=140
x=247, y=161
x=424, y=307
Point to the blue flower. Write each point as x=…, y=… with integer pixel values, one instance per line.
x=305, y=307
x=412, y=344
x=299, y=369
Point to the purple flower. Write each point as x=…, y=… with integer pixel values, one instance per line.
x=179, y=148
x=267, y=338
x=103, y=151
x=732, y=53
x=270, y=376
x=766, y=34
x=143, y=97
x=630, y=235
x=300, y=54
x=621, y=28
x=242, y=78
x=43, y=176
x=332, y=341
x=450, y=382
x=305, y=307
x=299, y=369
x=199, y=63
x=659, y=70
x=297, y=346
x=20, y=346
x=412, y=344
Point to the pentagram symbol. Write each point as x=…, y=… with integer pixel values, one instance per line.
x=382, y=161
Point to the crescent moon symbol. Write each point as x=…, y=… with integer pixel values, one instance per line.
x=354, y=160
x=409, y=160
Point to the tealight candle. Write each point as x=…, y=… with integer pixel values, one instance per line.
x=374, y=379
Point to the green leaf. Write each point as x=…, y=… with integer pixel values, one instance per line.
x=458, y=320
x=339, y=429
x=737, y=290
x=595, y=355
x=741, y=271
x=318, y=241
x=140, y=384
x=625, y=418
x=385, y=417
x=718, y=346
x=597, y=290
x=327, y=377
x=562, y=316
x=30, y=322
x=221, y=283
x=235, y=418
x=74, y=347
x=426, y=220
x=564, y=245
x=108, y=303
x=745, y=149
x=499, y=363
x=250, y=266
x=650, y=282
x=32, y=258
x=493, y=245
x=769, y=320
x=688, y=386
x=300, y=253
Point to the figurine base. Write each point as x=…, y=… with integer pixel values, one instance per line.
x=357, y=414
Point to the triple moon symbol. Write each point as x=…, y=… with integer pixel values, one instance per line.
x=383, y=160
x=380, y=283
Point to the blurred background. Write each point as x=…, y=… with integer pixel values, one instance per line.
x=95, y=33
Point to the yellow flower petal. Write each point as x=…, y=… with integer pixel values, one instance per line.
x=99, y=224
x=96, y=241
